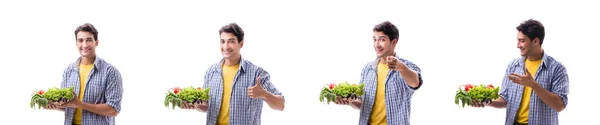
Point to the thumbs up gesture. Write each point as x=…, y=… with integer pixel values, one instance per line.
x=257, y=91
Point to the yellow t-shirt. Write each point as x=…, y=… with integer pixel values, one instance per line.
x=378, y=116
x=84, y=71
x=228, y=75
x=523, y=113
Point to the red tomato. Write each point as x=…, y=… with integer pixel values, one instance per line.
x=40, y=92
x=490, y=86
x=468, y=87
x=331, y=85
x=176, y=90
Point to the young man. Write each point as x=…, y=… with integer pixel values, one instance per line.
x=98, y=85
x=237, y=86
x=536, y=85
x=390, y=82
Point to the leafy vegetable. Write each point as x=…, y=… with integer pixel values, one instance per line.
x=480, y=93
x=54, y=95
x=343, y=90
x=178, y=96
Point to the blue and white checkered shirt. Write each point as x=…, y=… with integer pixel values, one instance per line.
x=398, y=94
x=243, y=110
x=104, y=86
x=551, y=75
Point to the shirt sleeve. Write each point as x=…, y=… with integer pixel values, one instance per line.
x=63, y=83
x=504, y=94
x=415, y=68
x=265, y=82
x=560, y=84
x=114, y=90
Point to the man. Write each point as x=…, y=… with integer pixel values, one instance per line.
x=536, y=85
x=98, y=85
x=390, y=82
x=237, y=86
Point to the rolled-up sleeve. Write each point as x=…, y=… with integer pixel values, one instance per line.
x=114, y=90
x=415, y=68
x=265, y=81
x=560, y=84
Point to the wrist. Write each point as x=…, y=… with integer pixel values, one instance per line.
x=268, y=96
x=535, y=86
x=401, y=67
x=80, y=105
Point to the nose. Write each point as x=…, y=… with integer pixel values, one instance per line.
x=85, y=44
x=224, y=46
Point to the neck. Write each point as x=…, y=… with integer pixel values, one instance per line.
x=87, y=60
x=536, y=55
x=382, y=60
x=232, y=61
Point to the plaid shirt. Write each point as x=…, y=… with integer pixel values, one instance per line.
x=551, y=75
x=243, y=110
x=398, y=94
x=104, y=86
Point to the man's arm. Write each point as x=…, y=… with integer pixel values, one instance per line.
x=273, y=98
x=501, y=101
x=204, y=106
x=498, y=103
x=557, y=97
x=113, y=95
x=411, y=77
x=410, y=72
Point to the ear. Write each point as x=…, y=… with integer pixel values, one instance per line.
x=96, y=42
x=536, y=41
x=394, y=42
x=241, y=43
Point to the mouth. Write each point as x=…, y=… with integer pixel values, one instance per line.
x=226, y=52
x=379, y=50
x=85, y=50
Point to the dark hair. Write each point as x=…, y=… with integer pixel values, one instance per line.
x=234, y=29
x=87, y=27
x=388, y=29
x=532, y=29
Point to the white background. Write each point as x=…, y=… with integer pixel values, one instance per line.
x=304, y=45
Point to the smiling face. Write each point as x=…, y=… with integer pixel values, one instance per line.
x=525, y=44
x=383, y=45
x=230, y=46
x=86, y=44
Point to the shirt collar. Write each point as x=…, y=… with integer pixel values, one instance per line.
x=97, y=64
x=544, y=64
x=243, y=65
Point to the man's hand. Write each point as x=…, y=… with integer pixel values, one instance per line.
x=342, y=101
x=477, y=104
x=53, y=107
x=395, y=64
x=353, y=102
x=525, y=80
x=202, y=106
x=257, y=91
x=74, y=103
